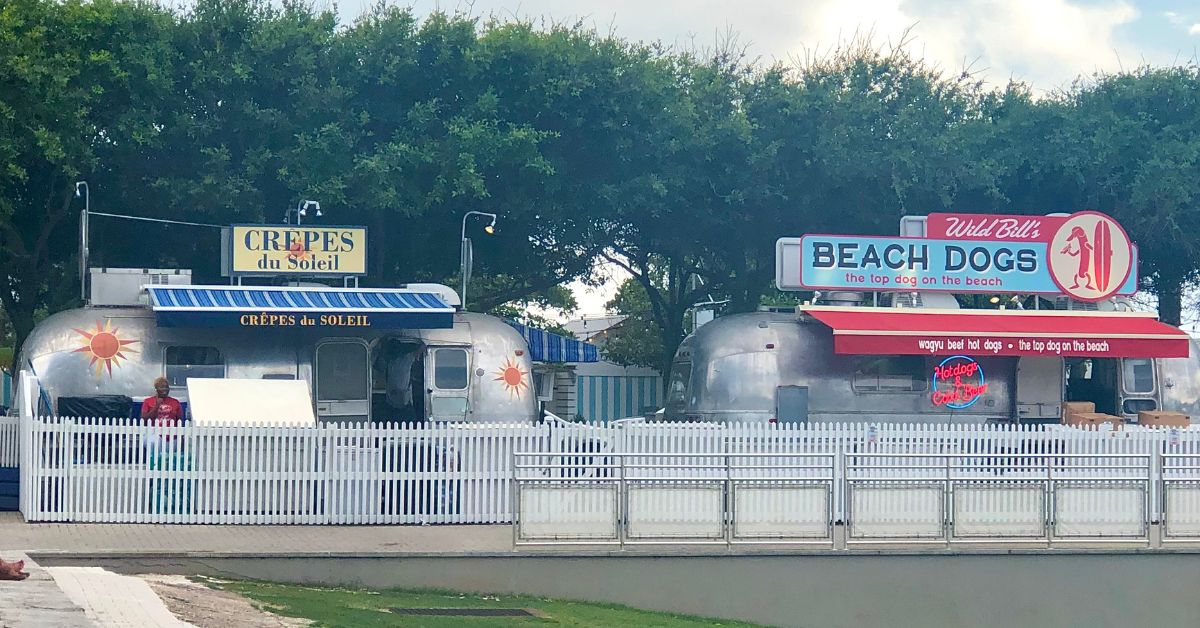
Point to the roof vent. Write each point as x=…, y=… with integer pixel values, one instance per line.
x=1067, y=303
x=844, y=299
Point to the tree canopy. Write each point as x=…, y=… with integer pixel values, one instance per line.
x=681, y=166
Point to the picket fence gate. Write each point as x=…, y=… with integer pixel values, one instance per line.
x=121, y=471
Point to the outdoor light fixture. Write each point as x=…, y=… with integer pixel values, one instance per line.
x=465, y=257
x=302, y=210
x=994, y=300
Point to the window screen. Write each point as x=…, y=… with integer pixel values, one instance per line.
x=1139, y=375
x=184, y=362
x=450, y=369
x=890, y=373
x=342, y=373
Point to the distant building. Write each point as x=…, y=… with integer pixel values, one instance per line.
x=573, y=382
x=605, y=390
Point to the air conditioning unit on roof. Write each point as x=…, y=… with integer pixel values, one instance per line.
x=122, y=287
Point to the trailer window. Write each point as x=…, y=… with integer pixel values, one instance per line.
x=681, y=375
x=890, y=373
x=450, y=369
x=184, y=362
x=1139, y=375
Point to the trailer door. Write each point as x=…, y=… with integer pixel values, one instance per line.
x=791, y=404
x=343, y=380
x=1039, y=389
x=1139, y=387
x=448, y=371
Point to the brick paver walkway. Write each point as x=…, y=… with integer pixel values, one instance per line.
x=85, y=538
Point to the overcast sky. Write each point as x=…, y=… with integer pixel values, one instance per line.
x=1046, y=43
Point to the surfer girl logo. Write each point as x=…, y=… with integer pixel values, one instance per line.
x=1090, y=256
x=958, y=383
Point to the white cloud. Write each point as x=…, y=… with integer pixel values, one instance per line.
x=1047, y=42
x=1195, y=29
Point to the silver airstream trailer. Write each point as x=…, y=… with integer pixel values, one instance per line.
x=782, y=366
x=404, y=354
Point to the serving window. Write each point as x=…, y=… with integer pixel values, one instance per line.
x=890, y=373
x=182, y=362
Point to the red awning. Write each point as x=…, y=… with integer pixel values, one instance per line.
x=887, y=331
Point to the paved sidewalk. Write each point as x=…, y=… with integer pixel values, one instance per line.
x=112, y=600
x=85, y=538
x=37, y=602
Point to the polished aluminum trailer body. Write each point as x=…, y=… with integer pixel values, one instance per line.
x=340, y=364
x=765, y=366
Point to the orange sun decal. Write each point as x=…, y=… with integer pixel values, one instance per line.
x=105, y=346
x=512, y=376
x=297, y=251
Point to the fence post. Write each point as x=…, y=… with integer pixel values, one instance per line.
x=328, y=501
x=947, y=501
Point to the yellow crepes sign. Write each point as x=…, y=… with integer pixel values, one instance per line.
x=295, y=250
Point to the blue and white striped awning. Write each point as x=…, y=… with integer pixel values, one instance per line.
x=275, y=306
x=548, y=347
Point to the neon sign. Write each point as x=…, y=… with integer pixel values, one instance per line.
x=958, y=382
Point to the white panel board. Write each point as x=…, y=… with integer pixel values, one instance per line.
x=999, y=511
x=568, y=512
x=787, y=264
x=262, y=401
x=896, y=511
x=1182, y=511
x=676, y=512
x=781, y=512
x=1099, y=511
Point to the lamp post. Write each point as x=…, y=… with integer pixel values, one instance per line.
x=83, y=236
x=301, y=210
x=464, y=254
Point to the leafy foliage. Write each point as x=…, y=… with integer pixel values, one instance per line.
x=682, y=167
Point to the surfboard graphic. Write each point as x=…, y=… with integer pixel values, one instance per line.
x=1102, y=255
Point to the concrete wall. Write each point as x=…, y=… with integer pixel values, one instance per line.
x=861, y=590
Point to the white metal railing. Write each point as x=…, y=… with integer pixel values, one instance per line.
x=675, y=498
x=946, y=498
x=667, y=479
x=1181, y=496
x=102, y=470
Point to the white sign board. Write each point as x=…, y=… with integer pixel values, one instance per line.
x=269, y=401
x=787, y=264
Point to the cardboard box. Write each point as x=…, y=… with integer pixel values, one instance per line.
x=1161, y=418
x=1077, y=407
x=1094, y=420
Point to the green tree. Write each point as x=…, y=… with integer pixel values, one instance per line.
x=532, y=310
x=1137, y=148
x=80, y=83
x=636, y=340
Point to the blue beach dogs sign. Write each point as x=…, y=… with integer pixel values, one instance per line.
x=1049, y=264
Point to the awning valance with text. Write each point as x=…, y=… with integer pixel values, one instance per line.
x=888, y=331
x=298, y=307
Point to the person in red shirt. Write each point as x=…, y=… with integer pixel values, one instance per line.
x=162, y=410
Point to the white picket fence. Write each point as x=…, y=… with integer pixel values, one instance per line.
x=10, y=441
x=122, y=471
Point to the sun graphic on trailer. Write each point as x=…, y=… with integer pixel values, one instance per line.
x=105, y=345
x=513, y=377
